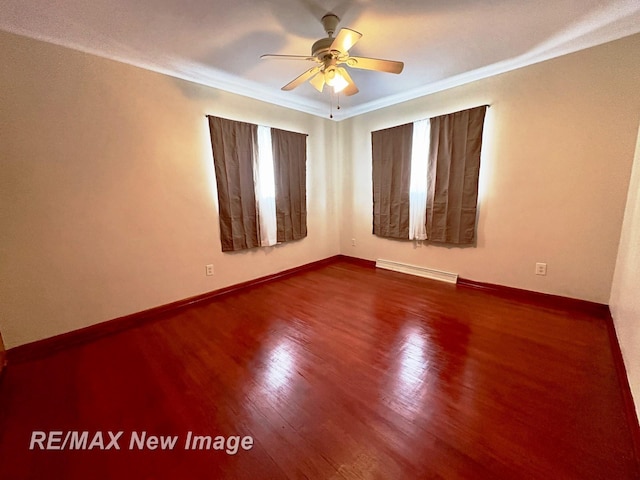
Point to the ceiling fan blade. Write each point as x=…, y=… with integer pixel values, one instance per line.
x=350, y=89
x=302, y=78
x=389, y=66
x=346, y=39
x=268, y=56
x=318, y=81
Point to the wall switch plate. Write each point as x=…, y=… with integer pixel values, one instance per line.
x=541, y=268
x=209, y=270
x=353, y=242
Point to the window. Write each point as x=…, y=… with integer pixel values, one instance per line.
x=266, y=188
x=261, y=180
x=418, y=181
x=443, y=157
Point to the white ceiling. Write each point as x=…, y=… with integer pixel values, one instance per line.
x=443, y=43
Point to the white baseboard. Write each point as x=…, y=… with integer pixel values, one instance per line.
x=418, y=271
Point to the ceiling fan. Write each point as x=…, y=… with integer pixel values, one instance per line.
x=329, y=54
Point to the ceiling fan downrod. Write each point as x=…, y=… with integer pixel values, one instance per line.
x=330, y=22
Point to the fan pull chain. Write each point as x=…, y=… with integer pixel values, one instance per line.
x=331, y=104
x=337, y=95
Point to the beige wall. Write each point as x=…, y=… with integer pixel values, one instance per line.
x=108, y=194
x=108, y=202
x=558, y=148
x=625, y=293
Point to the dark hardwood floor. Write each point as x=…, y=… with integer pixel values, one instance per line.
x=342, y=372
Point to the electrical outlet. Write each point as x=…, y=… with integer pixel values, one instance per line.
x=353, y=242
x=209, y=270
x=541, y=268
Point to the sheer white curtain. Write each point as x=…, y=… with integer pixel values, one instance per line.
x=418, y=182
x=265, y=188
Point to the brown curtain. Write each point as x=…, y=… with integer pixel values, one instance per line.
x=454, y=165
x=234, y=148
x=391, y=149
x=290, y=171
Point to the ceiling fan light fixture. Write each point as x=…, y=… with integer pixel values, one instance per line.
x=334, y=79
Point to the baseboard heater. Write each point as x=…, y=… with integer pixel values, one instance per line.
x=418, y=271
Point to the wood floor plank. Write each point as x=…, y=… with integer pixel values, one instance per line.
x=340, y=372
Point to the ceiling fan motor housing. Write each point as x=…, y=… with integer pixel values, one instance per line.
x=321, y=48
